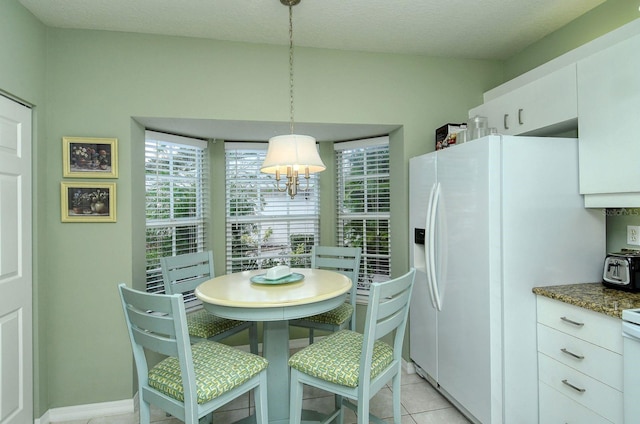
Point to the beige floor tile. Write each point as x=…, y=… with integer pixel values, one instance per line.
x=241, y=402
x=311, y=392
x=324, y=405
x=408, y=419
x=116, y=419
x=224, y=417
x=422, y=397
x=411, y=379
x=382, y=404
x=166, y=420
x=159, y=415
x=448, y=415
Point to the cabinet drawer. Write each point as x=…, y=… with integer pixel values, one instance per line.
x=594, y=327
x=601, y=364
x=556, y=408
x=588, y=392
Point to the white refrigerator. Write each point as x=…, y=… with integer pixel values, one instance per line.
x=499, y=215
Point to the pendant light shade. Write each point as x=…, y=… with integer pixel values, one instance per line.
x=292, y=150
x=292, y=154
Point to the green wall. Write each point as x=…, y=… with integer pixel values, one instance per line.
x=608, y=16
x=91, y=83
x=96, y=82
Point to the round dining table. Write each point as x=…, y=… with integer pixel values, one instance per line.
x=274, y=302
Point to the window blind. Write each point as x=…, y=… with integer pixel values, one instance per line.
x=266, y=227
x=176, y=179
x=363, y=212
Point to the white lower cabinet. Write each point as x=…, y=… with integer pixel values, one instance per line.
x=579, y=365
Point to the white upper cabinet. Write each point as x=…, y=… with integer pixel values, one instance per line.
x=541, y=107
x=609, y=111
x=594, y=88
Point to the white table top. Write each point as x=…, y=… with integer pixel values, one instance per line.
x=236, y=290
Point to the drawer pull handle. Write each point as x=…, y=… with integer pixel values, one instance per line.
x=520, y=117
x=504, y=121
x=568, y=352
x=578, y=389
x=578, y=324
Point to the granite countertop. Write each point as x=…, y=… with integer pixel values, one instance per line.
x=593, y=296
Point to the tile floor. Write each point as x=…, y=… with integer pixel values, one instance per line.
x=421, y=404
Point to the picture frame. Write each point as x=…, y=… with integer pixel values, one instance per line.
x=88, y=202
x=89, y=157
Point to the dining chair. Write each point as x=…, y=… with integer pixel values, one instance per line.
x=345, y=260
x=193, y=380
x=182, y=274
x=356, y=366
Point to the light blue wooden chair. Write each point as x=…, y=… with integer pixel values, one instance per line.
x=345, y=260
x=182, y=274
x=356, y=366
x=194, y=380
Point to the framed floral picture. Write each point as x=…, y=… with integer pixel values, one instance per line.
x=88, y=202
x=86, y=157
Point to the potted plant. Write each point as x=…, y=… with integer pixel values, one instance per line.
x=81, y=203
x=81, y=155
x=99, y=201
x=103, y=159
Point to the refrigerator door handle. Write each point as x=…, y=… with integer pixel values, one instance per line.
x=427, y=250
x=432, y=247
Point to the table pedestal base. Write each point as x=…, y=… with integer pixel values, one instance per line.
x=275, y=348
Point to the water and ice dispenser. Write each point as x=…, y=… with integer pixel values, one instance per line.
x=419, y=249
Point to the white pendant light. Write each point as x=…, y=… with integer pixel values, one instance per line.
x=292, y=154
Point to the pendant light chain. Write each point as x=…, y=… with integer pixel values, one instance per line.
x=292, y=156
x=291, y=67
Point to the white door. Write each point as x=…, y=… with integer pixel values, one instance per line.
x=16, y=391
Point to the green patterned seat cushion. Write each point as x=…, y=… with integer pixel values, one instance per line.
x=337, y=316
x=336, y=358
x=205, y=325
x=218, y=369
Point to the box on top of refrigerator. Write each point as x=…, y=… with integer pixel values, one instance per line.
x=446, y=135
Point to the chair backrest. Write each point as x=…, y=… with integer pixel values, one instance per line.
x=345, y=260
x=388, y=310
x=183, y=273
x=157, y=322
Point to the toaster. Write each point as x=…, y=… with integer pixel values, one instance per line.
x=622, y=270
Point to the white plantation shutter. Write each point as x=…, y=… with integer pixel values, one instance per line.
x=363, y=216
x=176, y=178
x=265, y=227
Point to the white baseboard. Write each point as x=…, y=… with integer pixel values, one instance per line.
x=44, y=419
x=88, y=411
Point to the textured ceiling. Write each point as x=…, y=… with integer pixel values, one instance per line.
x=485, y=29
